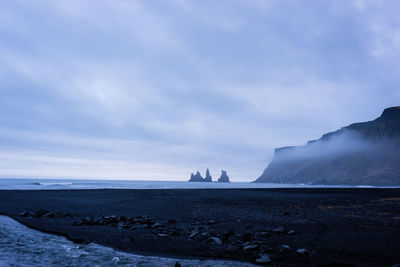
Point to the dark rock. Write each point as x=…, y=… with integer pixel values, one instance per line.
x=246, y=237
x=266, y=248
x=283, y=249
x=279, y=230
x=193, y=234
x=156, y=225
x=177, y=264
x=174, y=233
x=302, y=251
x=162, y=234
x=251, y=247
x=202, y=228
x=215, y=240
x=171, y=221
x=224, y=178
x=265, y=234
x=366, y=153
x=51, y=214
x=233, y=247
x=41, y=212
x=196, y=178
x=25, y=214
x=208, y=176
x=264, y=259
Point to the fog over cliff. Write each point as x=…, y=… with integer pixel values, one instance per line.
x=362, y=153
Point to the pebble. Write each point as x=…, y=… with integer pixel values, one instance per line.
x=162, y=235
x=283, y=248
x=302, y=251
x=264, y=260
x=216, y=240
x=251, y=247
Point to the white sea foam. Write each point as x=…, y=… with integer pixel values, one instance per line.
x=22, y=246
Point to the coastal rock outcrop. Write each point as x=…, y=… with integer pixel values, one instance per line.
x=366, y=153
x=198, y=178
x=224, y=178
x=208, y=176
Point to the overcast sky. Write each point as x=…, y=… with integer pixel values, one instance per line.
x=122, y=89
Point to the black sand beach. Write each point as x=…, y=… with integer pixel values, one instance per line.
x=359, y=227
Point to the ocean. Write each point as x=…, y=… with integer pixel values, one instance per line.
x=64, y=184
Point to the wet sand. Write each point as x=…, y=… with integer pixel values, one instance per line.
x=291, y=227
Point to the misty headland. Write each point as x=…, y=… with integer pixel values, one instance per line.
x=366, y=153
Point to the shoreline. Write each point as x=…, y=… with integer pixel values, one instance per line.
x=54, y=251
x=345, y=225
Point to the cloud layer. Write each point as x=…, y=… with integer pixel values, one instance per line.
x=156, y=89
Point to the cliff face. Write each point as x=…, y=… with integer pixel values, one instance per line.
x=366, y=153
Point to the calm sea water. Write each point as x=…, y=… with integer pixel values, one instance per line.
x=59, y=184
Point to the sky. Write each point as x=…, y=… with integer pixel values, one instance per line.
x=157, y=89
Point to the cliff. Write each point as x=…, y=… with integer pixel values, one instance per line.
x=366, y=153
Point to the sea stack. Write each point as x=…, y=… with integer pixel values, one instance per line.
x=196, y=177
x=208, y=176
x=224, y=177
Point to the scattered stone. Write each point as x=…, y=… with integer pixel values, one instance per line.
x=279, y=230
x=215, y=240
x=291, y=232
x=193, y=234
x=202, y=228
x=156, y=225
x=51, y=214
x=265, y=234
x=232, y=247
x=25, y=214
x=175, y=233
x=266, y=248
x=162, y=235
x=264, y=260
x=302, y=251
x=211, y=222
x=115, y=260
x=283, y=248
x=246, y=237
x=251, y=247
x=40, y=213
